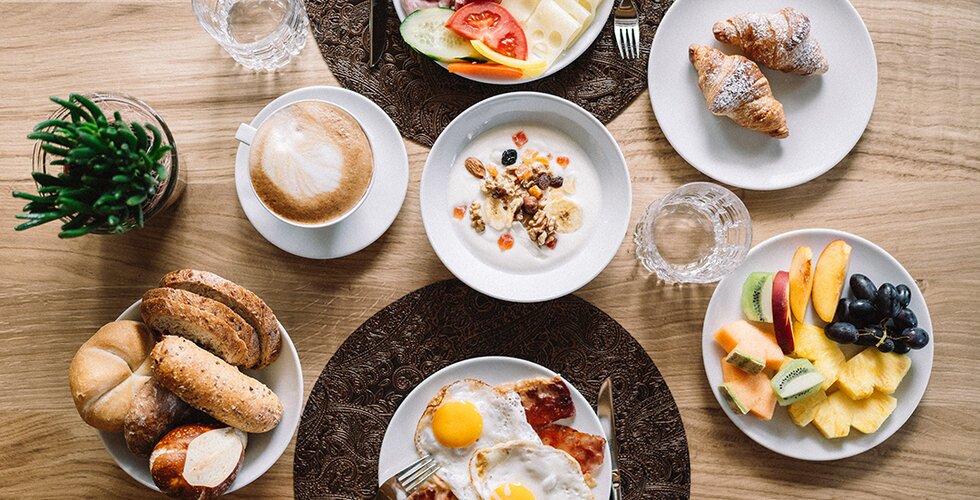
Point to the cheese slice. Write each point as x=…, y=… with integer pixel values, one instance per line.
x=590, y=5
x=520, y=9
x=579, y=13
x=550, y=30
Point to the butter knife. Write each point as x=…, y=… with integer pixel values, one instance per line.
x=607, y=417
x=377, y=24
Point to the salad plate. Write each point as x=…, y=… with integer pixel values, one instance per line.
x=781, y=434
x=511, y=42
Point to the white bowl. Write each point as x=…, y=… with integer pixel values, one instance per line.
x=585, y=40
x=592, y=254
x=284, y=377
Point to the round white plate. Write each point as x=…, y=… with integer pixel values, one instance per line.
x=377, y=211
x=398, y=447
x=780, y=434
x=576, y=269
x=826, y=114
x=284, y=376
x=567, y=57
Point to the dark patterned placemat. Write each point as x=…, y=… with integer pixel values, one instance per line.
x=358, y=391
x=422, y=97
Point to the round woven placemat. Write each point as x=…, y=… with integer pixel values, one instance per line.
x=355, y=396
x=422, y=97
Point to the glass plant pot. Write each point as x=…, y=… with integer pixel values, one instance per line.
x=132, y=110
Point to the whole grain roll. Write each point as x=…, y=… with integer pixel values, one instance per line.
x=215, y=387
x=155, y=410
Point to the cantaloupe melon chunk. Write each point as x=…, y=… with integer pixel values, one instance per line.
x=754, y=391
x=742, y=333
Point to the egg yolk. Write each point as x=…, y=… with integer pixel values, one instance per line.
x=511, y=491
x=457, y=424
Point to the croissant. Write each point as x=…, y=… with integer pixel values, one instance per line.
x=733, y=86
x=780, y=41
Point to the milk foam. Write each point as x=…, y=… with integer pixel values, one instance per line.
x=300, y=165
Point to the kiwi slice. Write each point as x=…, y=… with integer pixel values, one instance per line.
x=729, y=394
x=757, y=297
x=796, y=380
x=744, y=361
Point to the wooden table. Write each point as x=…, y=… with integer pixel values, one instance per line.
x=912, y=185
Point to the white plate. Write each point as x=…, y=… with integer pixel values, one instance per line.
x=826, y=114
x=567, y=57
x=780, y=434
x=377, y=211
x=284, y=376
x=398, y=447
x=577, y=268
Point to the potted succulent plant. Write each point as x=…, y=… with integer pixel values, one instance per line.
x=98, y=169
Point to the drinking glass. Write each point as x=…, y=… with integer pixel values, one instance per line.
x=697, y=233
x=259, y=34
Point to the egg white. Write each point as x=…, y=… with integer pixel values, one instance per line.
x=549, y=473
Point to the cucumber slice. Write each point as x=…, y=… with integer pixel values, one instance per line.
x=425, y=31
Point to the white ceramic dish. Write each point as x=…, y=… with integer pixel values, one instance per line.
x=567, y=57
x=781, y=434
x=376, y=212
x=576, y=268
x=284, y=377
x=826, y=114
x=398, y=446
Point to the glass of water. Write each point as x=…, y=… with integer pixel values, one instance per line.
x=697, y=233
x=259, y=34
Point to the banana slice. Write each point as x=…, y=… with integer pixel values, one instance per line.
x=499, y=214
x=567, y=215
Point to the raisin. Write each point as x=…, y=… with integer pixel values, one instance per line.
x=530, y=205
x=509, y=157
x=499, y=193
x=543, y=181
x=557, y=182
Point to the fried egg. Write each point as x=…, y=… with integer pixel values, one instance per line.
x=520, y=470
x=467, y=416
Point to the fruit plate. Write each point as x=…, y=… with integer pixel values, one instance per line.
x=568, y=56
x=284, y=376
x=781, y=434
x=398, y=447
x=826, y=114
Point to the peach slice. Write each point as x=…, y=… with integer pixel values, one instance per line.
x=828, y=278
x=801, y=281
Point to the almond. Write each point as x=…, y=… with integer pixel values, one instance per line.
x=475, y=167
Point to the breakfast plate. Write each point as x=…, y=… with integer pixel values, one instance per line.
x=376, y=212
x=826, y=114
x=284, y=377
x=398, y=448
x=479, y=181
x=545, y=28
x=781, y=434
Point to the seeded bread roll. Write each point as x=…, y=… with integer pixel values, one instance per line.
x=155, y=410
x=239, y=299
x=215, y=387
x=207, y=322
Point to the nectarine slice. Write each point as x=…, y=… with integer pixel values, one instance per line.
x=801, y=281
x=828, y=278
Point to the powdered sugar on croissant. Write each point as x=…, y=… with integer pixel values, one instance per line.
x=780, y=41
x=733, y=86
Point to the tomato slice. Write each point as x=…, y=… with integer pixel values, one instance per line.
x=493, y=25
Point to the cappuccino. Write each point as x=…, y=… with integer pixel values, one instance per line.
x=310, y=163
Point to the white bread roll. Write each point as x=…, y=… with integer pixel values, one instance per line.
x=108, y=370
x=215, y=387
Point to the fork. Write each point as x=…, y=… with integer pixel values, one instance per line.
x=403, y=484
x=627, y=28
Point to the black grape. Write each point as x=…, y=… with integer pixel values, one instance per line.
x=916, y=338
x=842, y=333
x=901, y=347
x=861, y=312
x=904, y=295
x=905, y=319
x=843, y=311
x=862, y=287
x=886, y=301
x=887, y=345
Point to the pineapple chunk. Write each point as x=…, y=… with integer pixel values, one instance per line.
x=835, y=416
x=872, y=370
x=803, y=411
x=812, y=344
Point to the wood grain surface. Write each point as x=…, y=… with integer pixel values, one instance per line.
x=912, y=185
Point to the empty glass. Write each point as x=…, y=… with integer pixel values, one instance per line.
x=259, y=34
x=697, y=233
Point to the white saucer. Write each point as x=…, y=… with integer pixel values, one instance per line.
x=780, y=434
x=398, y=446
x=376, y=213
x=826, y=114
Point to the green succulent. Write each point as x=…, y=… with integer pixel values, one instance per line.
x=109, y=168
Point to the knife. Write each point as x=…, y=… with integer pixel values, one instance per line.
x=607, y=417
x=377, y=24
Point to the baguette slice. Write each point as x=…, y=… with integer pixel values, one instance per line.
x=241, y=300
x=242, y=329
x=217, y=388
x=209, y=323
